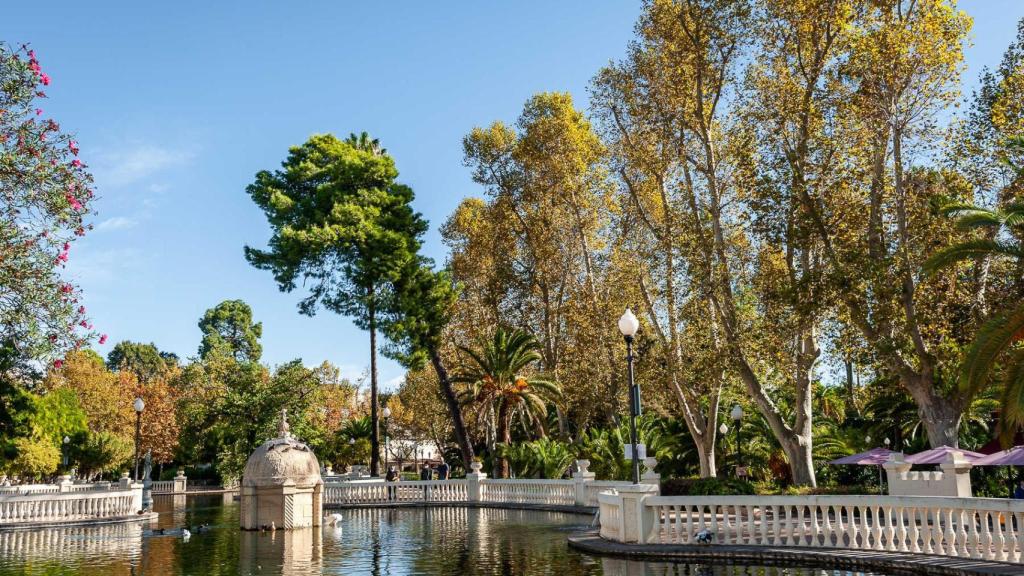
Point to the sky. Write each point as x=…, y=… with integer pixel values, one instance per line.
x=176, y=106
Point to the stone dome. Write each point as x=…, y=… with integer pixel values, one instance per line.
x=282, y=460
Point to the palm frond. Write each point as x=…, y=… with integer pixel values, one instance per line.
x=993, y=338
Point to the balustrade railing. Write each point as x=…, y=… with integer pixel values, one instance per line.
x=580, y=491
x=76, y=506
x=977, y=528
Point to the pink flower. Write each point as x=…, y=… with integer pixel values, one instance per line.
x=83, y=324
x=53, y=338
x=76, y=163
x=58, y=364
x=67, y=246
x=44, y=78
x=103, y=338
x=66, y=288
x=73, y=146
x=39, y=111
x=81, y=309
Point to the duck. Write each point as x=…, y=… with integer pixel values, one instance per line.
x=185, y=534
x=332, y=519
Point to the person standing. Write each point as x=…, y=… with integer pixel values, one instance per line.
x=443, y=470
x=391, y=478
x=426, y=474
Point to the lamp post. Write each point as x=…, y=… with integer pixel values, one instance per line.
x=139, y=407
x=64, y=449
x=386, y=413
x=628, y=325
x=737, y=416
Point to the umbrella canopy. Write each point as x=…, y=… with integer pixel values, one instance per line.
x=938, y=455
x=1012, y=457
x=873, y=457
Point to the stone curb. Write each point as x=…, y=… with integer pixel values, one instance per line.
x=896, y=563
x=94, y=522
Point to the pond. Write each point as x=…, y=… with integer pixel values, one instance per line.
x=428, y=542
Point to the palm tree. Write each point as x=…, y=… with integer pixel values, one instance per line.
x=498, y=379
x=1001, y=229
x=365, y=143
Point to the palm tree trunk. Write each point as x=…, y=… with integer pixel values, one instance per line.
x=504, y=433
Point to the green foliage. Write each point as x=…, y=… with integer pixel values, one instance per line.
x=57, y=414
x=228, y=330
x=100, y=452
x=36, y=457
x=727, y=486
x=340, y=222
x=144, y=360
x=542, y=458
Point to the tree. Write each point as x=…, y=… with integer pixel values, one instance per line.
x=36, y=457
x=143, y=360
x=228, y=330
x=421, y=309
x=497, y=379
x=342, y=224
x=45, y=194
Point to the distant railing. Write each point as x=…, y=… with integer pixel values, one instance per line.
x=579, y=491
x=67, y=502
x=179, y=485
x=978, y=528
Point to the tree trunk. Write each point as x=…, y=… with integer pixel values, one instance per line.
x=453, y=409
x=801, y=462
x=374, y=420
x=505, y=437
x=706, y=454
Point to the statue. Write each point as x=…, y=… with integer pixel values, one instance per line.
x=283, y=430
x=147, y=482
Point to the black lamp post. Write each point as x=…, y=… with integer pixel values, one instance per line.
x=628, y=325
x=64, y=449
x=139, y=407
x=737, y=416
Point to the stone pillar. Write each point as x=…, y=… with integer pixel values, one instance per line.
x=637, y=521
x=581, y=478
x=180, y=482
x=474, y=482
x=956, y=476
x=896, y=469
x=65, y=483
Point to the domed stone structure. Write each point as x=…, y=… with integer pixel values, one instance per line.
x=281, y=485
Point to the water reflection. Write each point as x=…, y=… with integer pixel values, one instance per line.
x=429, y=542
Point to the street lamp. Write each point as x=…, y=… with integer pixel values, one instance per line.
x=64, y=449
x=386, y=413
x=737, y=416
x=628, y=325
x=139, y=407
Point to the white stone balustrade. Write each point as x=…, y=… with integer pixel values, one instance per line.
x=953, y=480
x=179, y=485
x=977, y=528
x=69, y=506
x=579, y=491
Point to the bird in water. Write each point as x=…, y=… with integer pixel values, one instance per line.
x=185, y=534
x=333, y=519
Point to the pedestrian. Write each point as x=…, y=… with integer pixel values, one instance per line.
x=443, y=470
x=1018, y=492
x=391, y=477
x=426, y=474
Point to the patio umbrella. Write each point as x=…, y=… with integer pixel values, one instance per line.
x=1012, y=457
x=938, y=455
x=873, y=457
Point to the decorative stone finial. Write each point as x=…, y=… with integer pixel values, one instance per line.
x=283, y=431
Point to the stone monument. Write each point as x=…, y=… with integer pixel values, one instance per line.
x=281, y=485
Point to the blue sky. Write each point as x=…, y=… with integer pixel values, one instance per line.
x=177, y=105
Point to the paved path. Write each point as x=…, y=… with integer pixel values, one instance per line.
x=887, y=562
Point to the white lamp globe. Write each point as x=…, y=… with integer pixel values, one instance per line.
x=723, y=429
x=628, y=324
x=386, y=413
x=737, y=413
x=139, y=405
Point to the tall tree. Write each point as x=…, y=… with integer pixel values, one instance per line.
x=228, y=329
x=345, y=227
x=144, y=360
x=420, y=312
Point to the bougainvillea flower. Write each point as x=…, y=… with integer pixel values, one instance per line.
x=103, y=338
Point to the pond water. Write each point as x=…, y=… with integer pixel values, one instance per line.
x=428, y=542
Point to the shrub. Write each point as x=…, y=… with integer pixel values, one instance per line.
x=706, y=487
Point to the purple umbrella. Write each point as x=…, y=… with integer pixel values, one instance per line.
x=873, y=457
x=1012, y=457
x=938, y=455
